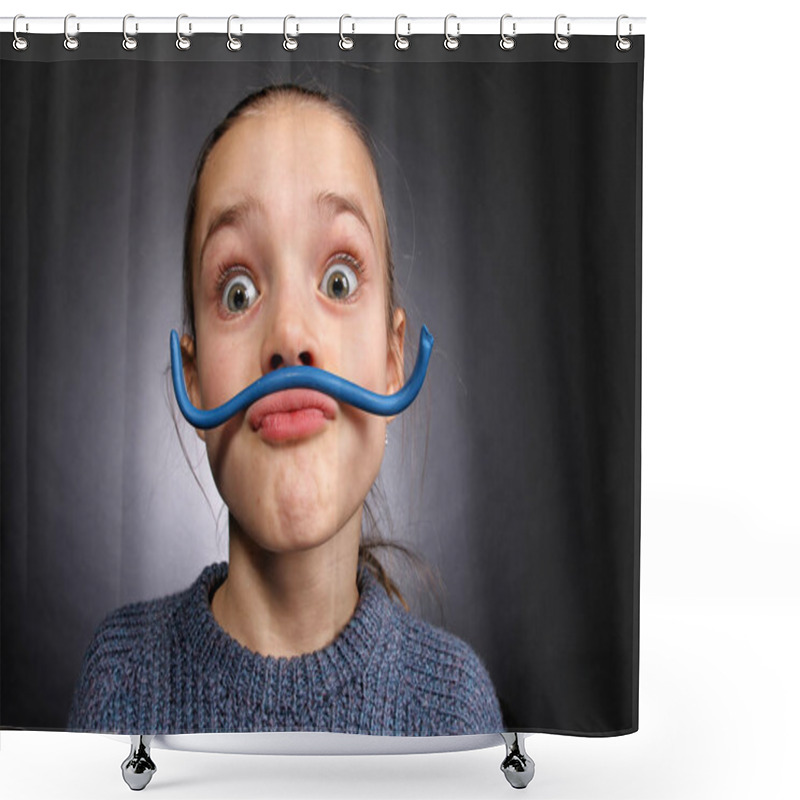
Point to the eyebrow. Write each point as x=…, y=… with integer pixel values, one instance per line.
x=328, y=202
x=230, y=217
x=334, y=204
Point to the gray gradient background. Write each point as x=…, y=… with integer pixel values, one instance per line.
x=512, y=184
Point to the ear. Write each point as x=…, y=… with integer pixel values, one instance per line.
x=395, y=372
x=190, y=375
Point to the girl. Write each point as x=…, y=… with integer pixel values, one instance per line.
x=287, y=262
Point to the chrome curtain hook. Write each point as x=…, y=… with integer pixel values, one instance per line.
x=561, y=42
x=182, y=43
x=345, y=42
x=401, y=42
x=128, y=42
x=622, y=43
x=289, y=42
x=451, y=42
x=233, y=44
x=507, y=42
x=70, y=42
x=20, y=43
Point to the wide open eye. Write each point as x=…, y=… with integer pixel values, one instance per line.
x=239, y=293
x=339, y=281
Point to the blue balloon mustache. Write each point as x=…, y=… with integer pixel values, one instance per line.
x=301, y=378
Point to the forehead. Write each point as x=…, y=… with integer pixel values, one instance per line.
x=290, y=152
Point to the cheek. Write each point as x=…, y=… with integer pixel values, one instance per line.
x=367, y=369
x=218, y=443
x=364, y=361
x=221, y=372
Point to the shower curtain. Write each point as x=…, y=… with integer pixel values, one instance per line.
x=511, y=180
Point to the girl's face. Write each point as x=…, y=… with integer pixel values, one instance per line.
x=289, y=269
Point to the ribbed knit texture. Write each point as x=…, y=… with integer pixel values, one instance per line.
x=165, y=666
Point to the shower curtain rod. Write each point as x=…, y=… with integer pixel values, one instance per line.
x=298, y=25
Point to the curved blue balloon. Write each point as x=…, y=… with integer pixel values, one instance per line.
x=301, y=378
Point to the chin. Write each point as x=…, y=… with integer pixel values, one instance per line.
x=290, y=534
x=303, y=530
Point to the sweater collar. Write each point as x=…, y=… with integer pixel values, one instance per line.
x=326, y=670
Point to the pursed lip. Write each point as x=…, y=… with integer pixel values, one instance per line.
x=287, y=401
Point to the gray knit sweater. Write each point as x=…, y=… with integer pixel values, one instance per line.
x=165, y=666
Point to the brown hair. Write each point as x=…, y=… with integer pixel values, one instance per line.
x=258, y=102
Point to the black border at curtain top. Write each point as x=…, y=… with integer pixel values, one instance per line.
x=322, y=47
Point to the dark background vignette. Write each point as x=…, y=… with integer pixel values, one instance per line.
x=513, y=188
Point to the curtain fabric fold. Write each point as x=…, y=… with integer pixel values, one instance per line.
x=512, y=187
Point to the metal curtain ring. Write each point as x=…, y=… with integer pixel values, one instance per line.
x=19, y=42
x=345, y=42
x=622, y=43
x=182, y=43
x=561, y=42
x=289, y=42
x=451, y=42
x=233, y=44
x=128, y=42
x=401, y=42
x=507, y=42
x=70, y=42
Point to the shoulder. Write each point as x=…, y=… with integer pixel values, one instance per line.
x=125, y=649
x=447, y=678
x=113, y=663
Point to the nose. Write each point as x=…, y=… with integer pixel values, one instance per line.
x=278, y=360
x=290, y=340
